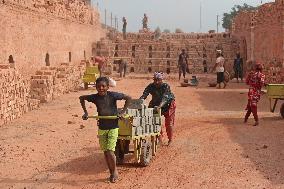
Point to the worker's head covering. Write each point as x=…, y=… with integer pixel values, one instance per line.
x=258, y=66
x=158, y=75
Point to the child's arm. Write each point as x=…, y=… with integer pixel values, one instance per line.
x=83, y=105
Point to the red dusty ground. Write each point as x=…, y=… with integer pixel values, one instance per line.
x=212, y=147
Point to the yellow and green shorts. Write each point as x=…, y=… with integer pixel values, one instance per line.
x=107, y=139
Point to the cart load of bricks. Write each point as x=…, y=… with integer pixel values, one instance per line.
x=14, y=95
x=142, y=121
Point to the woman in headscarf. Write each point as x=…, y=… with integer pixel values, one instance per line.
x=255, y=80
x=163, y=99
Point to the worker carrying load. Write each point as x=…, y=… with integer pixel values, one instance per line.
x=100, y=60
x=163, y=99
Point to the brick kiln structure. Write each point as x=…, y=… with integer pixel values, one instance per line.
x=261, y=35
x=144, y=53
x=29, y=29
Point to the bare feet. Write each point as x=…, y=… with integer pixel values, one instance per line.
x=170, y=142
x=113, y=178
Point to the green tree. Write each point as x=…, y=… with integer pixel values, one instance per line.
x=228, y=17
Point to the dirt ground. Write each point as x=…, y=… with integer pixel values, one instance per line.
x=52, y=147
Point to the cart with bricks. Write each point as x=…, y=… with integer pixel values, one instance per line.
x=276, y=92
x=141, y=126
x=90, y=76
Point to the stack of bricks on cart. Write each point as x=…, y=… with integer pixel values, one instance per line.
x=144, y=121
x=14, y=95
x=51, y=82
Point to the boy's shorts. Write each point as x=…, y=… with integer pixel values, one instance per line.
x=107, y=139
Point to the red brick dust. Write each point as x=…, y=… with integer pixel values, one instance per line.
x=53, y=148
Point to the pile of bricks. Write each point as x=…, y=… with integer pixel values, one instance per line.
x=143, y=120
x=274, y=75
x=51, y=82
x=14, y=95
x=261, y=35
x=145, y=54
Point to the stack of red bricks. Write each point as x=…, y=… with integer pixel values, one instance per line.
x=274, y=75
x=14, y=95
x=51, y=82
x=144, y=54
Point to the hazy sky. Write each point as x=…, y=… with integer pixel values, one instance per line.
x=170, y=14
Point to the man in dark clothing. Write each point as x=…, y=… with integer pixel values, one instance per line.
x=124, y=27
x=205, y=66
x=182, y=63
x=106, y=103
x=164, y=99
x=47, y=63
x=145, y=22
x=11, y=59
x=238, y=67
x=122, y=67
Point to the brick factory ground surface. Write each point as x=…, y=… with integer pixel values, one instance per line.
x=212, y=148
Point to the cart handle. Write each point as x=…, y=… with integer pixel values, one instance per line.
x=108, y=117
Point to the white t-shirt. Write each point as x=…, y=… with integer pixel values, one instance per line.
x=220, y=64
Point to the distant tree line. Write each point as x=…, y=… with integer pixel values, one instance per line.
x=228, y=17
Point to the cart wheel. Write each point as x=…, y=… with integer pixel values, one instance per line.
x=119, y=152
x=146, y=153
x=282, y=110
x=154, y=141
x=86, y=86
x=137, y=150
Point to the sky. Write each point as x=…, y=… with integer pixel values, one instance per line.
x=170, y=14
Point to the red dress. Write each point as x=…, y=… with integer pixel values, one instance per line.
x=255, y=80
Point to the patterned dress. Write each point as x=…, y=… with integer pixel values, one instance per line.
x=255, y=80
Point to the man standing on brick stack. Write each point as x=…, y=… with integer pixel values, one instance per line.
x=145, y=22
x=162, y=99
x=255, y=80
x=182, y=63
x=124, y=27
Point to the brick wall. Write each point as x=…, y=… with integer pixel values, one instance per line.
x=14, y=94
x=30, y=29
x=261, y=33
x=144, y=53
